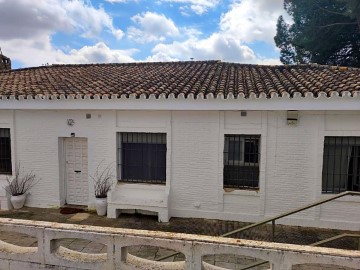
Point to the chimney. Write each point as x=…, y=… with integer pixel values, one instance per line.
x=5, y=62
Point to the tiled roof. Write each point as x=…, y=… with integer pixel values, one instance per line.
x=193, y=77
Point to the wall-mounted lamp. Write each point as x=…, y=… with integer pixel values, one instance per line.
x=70, y=122
x=292, y=118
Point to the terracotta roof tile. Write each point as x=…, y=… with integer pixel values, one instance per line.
x=192, y=77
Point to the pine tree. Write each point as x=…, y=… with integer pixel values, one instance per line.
x=323, y=32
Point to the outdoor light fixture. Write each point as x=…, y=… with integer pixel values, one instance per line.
x=70, y=122
x=292, y=118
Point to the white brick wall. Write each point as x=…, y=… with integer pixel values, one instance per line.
x=290, y=167
x=36, y=135
x=291, y=164
x=195, y=138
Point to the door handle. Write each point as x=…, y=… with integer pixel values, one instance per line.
x=77, y=171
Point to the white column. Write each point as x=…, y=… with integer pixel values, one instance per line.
x=281, y=266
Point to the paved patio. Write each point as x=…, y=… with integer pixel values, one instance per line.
x=284, y=234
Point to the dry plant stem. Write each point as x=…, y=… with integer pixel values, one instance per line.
x=21, y=184
x=102, y=181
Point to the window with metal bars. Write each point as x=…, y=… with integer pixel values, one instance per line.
x=142, y=157
x=241, y=161
x=341, y=166
x=5, y=151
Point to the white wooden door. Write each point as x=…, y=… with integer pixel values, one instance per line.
x=76, y=171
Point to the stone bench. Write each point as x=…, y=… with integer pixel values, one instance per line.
x=149, y=198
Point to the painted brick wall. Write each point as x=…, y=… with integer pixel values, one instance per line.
x=291, y=164
x=37, y=134
x=290, y=167
x=194, y=185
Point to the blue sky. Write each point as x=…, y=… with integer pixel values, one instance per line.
x=34, y=33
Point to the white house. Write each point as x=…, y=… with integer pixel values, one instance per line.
x=202, y=139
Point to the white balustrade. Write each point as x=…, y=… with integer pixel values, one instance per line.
x=48, y=255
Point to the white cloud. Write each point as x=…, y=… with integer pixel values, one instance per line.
x=152, y=27
x=198, y=6
x=99, y=53
x=40, y=51
x=190, y=32
x=27, y=27
x=30, y=52
x=120, y=1
x=161, y=57
x=184, y=11
x=28, y=40
x=268, y=61
x=27, y=19
x=250, y=20
x=215, y=47
x=24, y=19
x=89, y=20
x=246, y=21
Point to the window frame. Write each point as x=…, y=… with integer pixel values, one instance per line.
x=10, y=158
x=120, y=152
x=336, y=167
x=242, y=161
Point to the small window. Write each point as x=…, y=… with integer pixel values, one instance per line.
x=5, y=151
x=341, y=167
x=241, y=161
x=142, y=157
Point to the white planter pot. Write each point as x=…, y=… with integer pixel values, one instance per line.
x=18, y=201
x=101, y=206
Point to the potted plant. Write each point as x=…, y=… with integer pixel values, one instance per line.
x=103, y=182
x=19, y=185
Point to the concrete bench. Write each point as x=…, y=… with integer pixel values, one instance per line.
x=139, y=197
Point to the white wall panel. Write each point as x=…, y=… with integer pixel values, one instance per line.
x=290, y=169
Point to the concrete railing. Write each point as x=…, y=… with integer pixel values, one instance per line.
x=48, y=255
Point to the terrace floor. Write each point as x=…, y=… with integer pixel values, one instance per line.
x=283, y=234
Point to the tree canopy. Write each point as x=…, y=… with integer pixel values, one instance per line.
x=322, y=31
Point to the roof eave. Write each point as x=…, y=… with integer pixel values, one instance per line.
x=200, y=103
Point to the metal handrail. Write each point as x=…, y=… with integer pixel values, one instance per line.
x=273, y=219
x=337, y=237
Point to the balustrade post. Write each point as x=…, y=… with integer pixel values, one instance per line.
x=48, y=246
x=194, y=259
x=281, y=263
x=110, y=250
x=281, y=266
x=41, y=245
x=120, y=254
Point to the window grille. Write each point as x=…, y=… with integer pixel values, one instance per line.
x=142, y=157
x=241, y=161
x=341, y=167
x=5, y=151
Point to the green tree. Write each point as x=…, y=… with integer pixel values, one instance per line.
x=322, y=31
